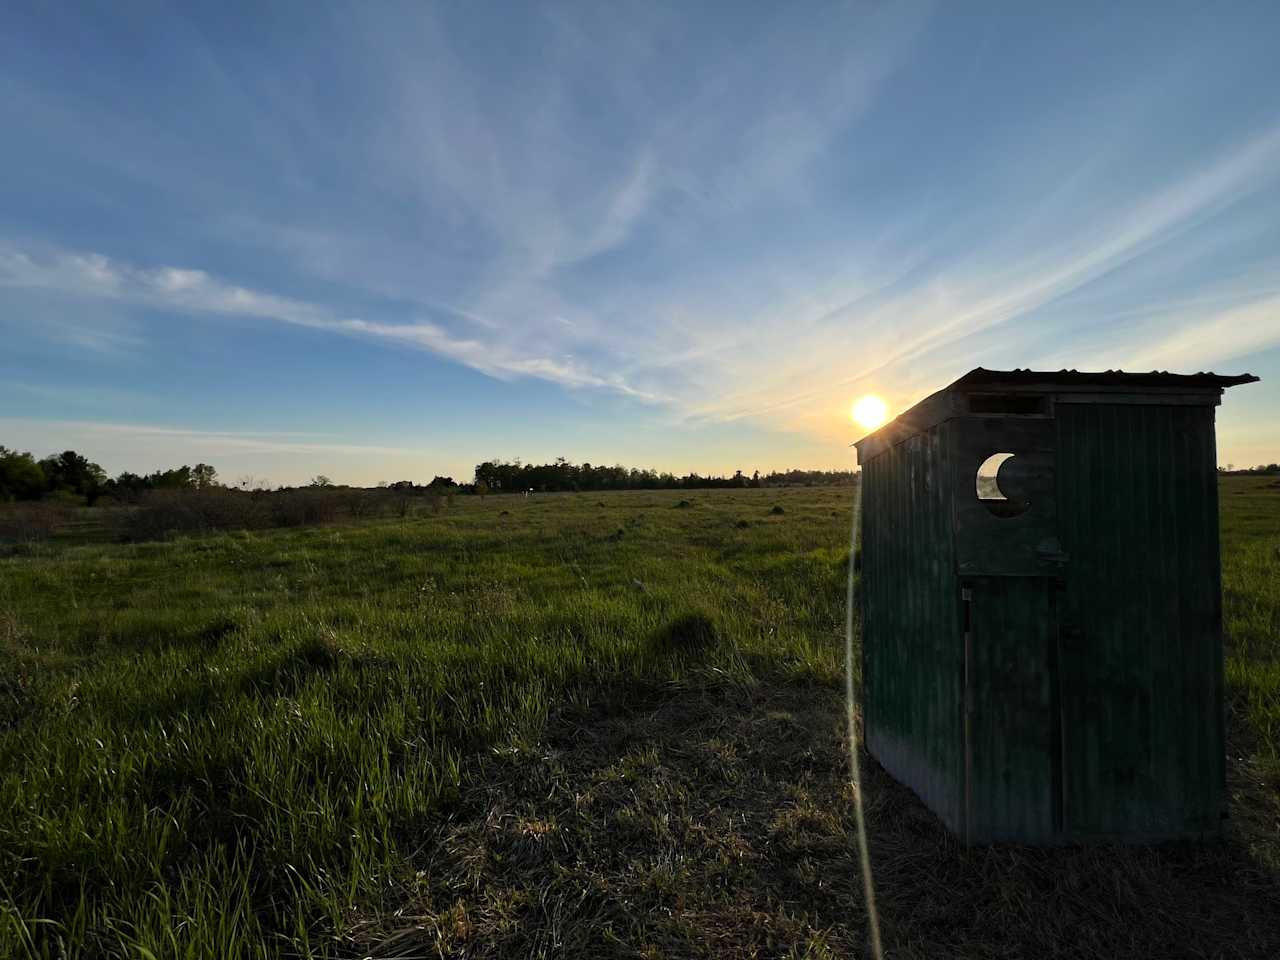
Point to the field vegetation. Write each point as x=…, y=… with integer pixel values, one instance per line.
x=594, y=724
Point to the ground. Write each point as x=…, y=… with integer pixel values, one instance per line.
x=570, y=725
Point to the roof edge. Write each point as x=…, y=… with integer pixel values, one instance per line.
x=944, y=404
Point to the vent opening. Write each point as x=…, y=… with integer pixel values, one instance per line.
x=1017, y=404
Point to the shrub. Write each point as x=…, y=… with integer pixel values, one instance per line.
x=30, y=523
x=162, y=513
x=304, y=507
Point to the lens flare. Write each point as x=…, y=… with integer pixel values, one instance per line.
x=869, y=411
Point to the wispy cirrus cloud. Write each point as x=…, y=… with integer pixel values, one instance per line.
x=207, y=442
x=792, y=360
x=796, y=359
x=253, y=457
x=185, y=290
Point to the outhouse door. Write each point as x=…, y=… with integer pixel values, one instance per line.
x=1011, y=570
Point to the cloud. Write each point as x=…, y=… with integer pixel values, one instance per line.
x=188, y=290
x=207, y=442
x=789, y=354
x=1201, y=340
x=284, y=456
x=795, y=361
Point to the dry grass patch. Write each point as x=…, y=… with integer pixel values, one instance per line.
x=717, y=822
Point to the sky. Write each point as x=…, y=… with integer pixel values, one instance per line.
x=388, y=241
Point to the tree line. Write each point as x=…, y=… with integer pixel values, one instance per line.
x=1261, y=470
x=71, y=475
x=561, y=475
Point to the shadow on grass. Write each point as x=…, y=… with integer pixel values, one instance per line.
x=196, y=693
x=718, y=821
x=686, y=639
x=167, y=629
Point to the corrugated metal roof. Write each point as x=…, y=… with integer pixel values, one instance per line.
x=980, y=377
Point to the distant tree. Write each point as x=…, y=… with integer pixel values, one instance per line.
x=69, y=472
x=320, y=480
x=179, y=478
x=204, y=476
x=562, y=475
x=127, y=487
x=490, y=474
x=21, y=478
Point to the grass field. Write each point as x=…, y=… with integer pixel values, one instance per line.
x=583, y=724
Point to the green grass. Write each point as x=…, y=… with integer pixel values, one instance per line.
x=1251, y=608
x=228, y=746
x=595, y=723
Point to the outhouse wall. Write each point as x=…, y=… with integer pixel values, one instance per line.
x=1140, y=652
x=912, y=649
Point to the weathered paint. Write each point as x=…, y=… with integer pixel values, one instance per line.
x=1141, y=648
x=912, y=713
x=1057, y=675
x=1014, y=779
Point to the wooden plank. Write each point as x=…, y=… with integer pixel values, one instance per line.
x=911, y=640
x=1012, y=728
x=1140, y=660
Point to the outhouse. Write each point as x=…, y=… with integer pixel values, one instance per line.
x=1041, y=604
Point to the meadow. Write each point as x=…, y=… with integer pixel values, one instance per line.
x=604, y=724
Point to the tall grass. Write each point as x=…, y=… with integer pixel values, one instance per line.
x=229, y=746
x=1251, y=598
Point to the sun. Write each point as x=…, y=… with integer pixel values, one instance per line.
x=869, y=411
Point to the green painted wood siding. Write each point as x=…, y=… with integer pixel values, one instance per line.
x=1141, y=641
x=1015, y=780
x=912, y=645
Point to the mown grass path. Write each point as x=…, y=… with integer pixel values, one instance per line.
x=602, y=724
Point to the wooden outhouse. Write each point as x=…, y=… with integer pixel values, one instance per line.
x=1041, y=603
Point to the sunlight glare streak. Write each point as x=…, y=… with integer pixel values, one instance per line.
x=855, y=771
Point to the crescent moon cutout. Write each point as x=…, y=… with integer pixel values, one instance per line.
x=991, y=495
x=988, y=481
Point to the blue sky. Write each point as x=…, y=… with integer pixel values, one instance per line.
x=385, y=241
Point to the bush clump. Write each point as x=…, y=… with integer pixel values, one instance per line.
x=32, y=523
x=159, y=514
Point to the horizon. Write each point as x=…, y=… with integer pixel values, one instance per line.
x=399, y=242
